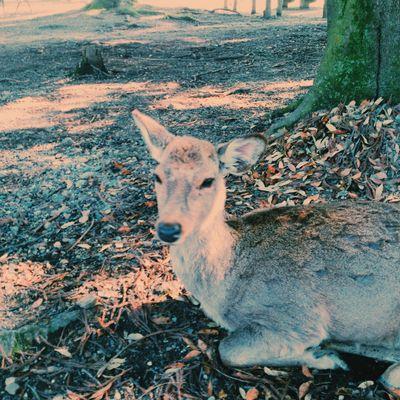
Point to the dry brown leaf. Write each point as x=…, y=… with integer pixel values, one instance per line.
x=252, y=394
x=115, y=363
x=192, y=354
x=304, y=389
x=242, y=393
x=63, y=351
x=202, y=345
x=331, y=127
x=161, y=320
x=85, y=216
x=67, y=225
x=345, y=172
x=378, y=192
x=306, y=372
x=274, y=372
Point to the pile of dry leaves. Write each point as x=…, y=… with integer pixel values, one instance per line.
x=350, y=152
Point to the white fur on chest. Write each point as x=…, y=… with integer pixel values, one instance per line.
x=204, y=269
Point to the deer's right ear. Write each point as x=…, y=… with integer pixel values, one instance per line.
x=154, y=134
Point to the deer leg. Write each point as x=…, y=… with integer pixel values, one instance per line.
x=257, y=345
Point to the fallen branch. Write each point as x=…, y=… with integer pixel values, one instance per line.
x=12, y=340
x=208, y=72
x=225, y=11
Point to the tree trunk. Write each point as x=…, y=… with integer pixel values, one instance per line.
x=324, y=12
x=362, y=58
x=235, y=5
x=267, y=11
x=225, y=4
x=253, y=7
x=279, y=8
x=304, y=4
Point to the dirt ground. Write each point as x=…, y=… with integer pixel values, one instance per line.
x=77, y=207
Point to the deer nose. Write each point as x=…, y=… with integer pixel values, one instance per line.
x=169, y=233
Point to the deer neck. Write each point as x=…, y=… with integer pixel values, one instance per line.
x=205, y=257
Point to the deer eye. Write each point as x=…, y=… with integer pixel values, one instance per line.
x=207, y=183
x=157, y=178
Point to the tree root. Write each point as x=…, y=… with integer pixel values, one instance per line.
x=13, y=340
x=305, y=107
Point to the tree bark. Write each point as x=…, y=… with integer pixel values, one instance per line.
x=267, y=11
x=279, y=8
x=253, y=7
x=324, y=12
x=92, y=62
x=304, y=4
x=235, y=5
x=362, y=58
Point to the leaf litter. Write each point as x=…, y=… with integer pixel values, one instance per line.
x=140, y=335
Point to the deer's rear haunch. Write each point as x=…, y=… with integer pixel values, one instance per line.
x=281, y=281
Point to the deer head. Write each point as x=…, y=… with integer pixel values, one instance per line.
x=189, y=178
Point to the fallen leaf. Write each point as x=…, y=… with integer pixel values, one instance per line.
x=63, y=351
x=304, y=389
x=366, y=384
x=242, y=393
x=67, y=225
x=252, y=394
x=192, y=354
x=331, y=127
x=85, y=216
x=378, y=192
x=274, y=372
x=11, y=385
x=161, y=320
x=306, y=372
x=115, y=363
x=135, y=336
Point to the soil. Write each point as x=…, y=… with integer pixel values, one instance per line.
x=77, y=207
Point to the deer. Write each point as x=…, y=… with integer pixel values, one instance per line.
x=281, y=281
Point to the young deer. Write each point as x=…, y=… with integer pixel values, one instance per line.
x=281, y=281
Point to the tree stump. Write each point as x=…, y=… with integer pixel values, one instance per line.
x=91, y=63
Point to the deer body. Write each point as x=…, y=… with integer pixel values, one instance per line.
x=281, y=281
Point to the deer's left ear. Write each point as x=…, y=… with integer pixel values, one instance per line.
x=238, y=155
x=154, y=134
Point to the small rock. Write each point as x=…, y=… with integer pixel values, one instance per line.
x=87, y=301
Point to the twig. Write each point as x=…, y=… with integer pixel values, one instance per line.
x=226, y=9
x=214, y=71
x=82, y=236
x=231, y=57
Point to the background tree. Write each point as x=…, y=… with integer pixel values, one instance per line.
x=279, y=8
x=362, y=58
x=253, y=7
x=267, y=12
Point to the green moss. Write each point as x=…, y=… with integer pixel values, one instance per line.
x=102, y=4
x=120, y=6
x=348, y=69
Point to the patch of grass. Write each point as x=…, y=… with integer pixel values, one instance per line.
x=103, y=4
x=124, y=7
